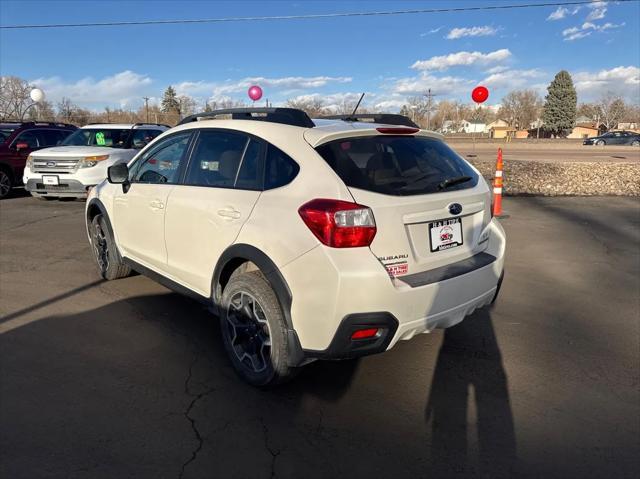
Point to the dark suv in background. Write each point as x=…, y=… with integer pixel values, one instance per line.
x=17, y=140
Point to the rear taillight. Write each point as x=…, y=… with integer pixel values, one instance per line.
x=339, y=224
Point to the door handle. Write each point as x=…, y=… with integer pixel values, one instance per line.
x=156, y=204
x=229, y=213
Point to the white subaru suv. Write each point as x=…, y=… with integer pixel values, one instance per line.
x=81, y=160
x=310, y=239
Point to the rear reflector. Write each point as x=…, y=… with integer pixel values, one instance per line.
x=365, y=333
x=398, y=131
x=339, y=224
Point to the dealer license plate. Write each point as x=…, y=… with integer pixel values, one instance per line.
x=50, y=180
x=445, y=234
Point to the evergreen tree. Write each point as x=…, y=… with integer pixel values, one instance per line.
x=170, y=102
x=560, y=105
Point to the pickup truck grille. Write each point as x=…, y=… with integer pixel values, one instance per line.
x=55, y=165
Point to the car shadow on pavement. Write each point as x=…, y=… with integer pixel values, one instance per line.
x=469, y=388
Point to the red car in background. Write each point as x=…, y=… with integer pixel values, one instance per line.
x=17, y=140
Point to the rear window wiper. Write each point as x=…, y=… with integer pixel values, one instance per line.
x=453, y=181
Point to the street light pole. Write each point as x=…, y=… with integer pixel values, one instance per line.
x=37, y=96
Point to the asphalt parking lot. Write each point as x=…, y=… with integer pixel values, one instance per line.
x=126, y=379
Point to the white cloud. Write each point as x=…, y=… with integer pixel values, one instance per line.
x=558, y=14
x=497, y=69
x=598, y=11
x=124, y=89
x=622, y=80
x=586, y=29
x=292, y=83
x=510, y=79
x=448, y=85
x=431, y=32
x=483, y=31
x=445, y=62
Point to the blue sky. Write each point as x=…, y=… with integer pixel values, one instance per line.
x=389, y=57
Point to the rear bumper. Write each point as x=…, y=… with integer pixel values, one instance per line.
x=353, y=282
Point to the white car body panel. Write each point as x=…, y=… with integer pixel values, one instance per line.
x=183, y=240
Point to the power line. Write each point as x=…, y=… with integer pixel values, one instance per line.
x=305, y=17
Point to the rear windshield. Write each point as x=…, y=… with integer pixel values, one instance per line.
x=114, y=138
x=398, y=165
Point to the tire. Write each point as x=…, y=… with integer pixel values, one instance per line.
x=254, y=330
x=600, y=143
x=6, y=183
x=105, y=252
x=635, y=143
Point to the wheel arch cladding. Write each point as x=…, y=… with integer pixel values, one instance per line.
x=236, y=255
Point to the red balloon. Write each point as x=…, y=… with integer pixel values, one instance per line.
x=255, y=92
x=480, y=94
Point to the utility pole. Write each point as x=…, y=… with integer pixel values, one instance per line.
x=146, y=106
x=429, y=96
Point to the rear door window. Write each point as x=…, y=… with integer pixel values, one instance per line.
x=397, y=165
x=216, y=158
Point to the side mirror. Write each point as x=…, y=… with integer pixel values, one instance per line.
x=118, y=173
x=22, y=146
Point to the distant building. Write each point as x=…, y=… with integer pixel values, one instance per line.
x=450, y=126
x=502, y=132
x=474, y=126
x=497, y=123
x=585, y=130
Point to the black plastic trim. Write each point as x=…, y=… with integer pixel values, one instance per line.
x=158, y=278
x=495, y=296
x=449, y=271
x=277, y=281
x=343, y=347
x=285, y=116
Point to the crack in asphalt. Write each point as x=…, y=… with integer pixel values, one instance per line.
x=192, y=421
x=274, y=453
x=27, y=223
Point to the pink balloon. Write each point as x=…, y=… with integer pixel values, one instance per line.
x=255, y=92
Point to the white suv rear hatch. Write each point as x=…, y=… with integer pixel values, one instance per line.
x=415, y=186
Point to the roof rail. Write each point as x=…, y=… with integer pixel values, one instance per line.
x=33, y=123
x=385, y=118
x=143, y=123
x=286, y=116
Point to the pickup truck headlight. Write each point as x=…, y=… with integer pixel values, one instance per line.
x=89, y=161
x=30, y=162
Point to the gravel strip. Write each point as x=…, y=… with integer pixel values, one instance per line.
x=565, y=179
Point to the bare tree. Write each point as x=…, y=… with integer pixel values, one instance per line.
x=313, y=106
x=14, y=97
x=611, y=109
x=588, y=110
x=65, y=109
x=187, y=105
x=520, y=108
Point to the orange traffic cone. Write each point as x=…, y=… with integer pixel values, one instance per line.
x=497, y=186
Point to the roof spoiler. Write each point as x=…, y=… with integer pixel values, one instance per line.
x=384, y=118
x=285, y=116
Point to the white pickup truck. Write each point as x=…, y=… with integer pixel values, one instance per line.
x=81, y=160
